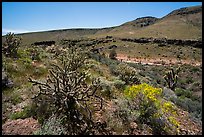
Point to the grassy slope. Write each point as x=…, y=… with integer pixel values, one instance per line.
x=56, y=35
x=172, y=26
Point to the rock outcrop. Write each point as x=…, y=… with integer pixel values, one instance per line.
x=6, y=82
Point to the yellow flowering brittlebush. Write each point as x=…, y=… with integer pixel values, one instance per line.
x=150, y=92
x=152, y=96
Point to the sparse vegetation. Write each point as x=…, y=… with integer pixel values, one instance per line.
x=126, y=74
x=11, y=45
x=77, y=84
x=67, y=93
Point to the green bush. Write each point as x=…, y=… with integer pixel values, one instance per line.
x=119, y=84
x=23, y=53
x=124, y=113
x=182, y=92
x=126, y=73
x=11, y=45
x=107, y=88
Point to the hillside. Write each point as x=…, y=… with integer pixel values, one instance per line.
x=185, y=23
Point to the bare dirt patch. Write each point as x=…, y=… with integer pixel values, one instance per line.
x=156, y=61
x=20, y=127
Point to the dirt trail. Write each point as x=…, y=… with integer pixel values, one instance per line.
x=156, y=61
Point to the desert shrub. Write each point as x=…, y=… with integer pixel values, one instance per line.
x=68, y=95
x=188, y=104
x=11, y=45
x=183, y=93
x=23, y=53
x=126, y=73
x=95, y=56
x=193, y=107
x=15, y=98
x=168, y=94
x=196, y=98
x=41, y=108
x=152, y=109
x=124, y=112
x=107, y=88
x=119, y=119
x=53, y=126
x=104, y=60
x=119, y=84
x=197, y=117
x=4, y=63
x=113, y=54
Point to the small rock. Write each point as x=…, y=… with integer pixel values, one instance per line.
x=133, y=125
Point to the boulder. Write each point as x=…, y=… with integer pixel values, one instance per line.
x=6, y=82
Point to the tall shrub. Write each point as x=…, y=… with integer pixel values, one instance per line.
x=67, y=93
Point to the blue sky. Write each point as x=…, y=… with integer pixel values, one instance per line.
x=21, y=17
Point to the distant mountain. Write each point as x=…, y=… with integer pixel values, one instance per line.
x=184, y=23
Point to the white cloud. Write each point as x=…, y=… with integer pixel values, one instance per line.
x=16, y=31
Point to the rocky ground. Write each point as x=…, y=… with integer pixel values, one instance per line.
x=20, y=127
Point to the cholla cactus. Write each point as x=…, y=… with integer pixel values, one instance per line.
x=11, y=44
x=66, y=90
x=171, y=78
